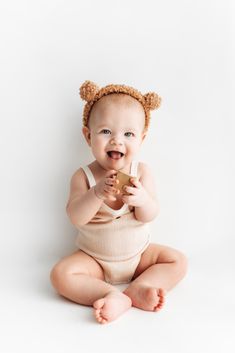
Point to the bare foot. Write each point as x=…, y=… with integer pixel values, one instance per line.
x=145, y=297
x=111, y=306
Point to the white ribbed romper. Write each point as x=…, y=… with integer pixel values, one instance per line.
x=114, y=238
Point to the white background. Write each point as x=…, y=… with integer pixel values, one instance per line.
x=184, y=51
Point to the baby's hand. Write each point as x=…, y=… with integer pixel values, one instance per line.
x=105, y=188
x=137, y=195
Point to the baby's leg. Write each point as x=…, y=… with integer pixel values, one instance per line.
x=159, y=270
x=80, y=278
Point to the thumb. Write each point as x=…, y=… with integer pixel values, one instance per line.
x=111, y=173
x=135, y=182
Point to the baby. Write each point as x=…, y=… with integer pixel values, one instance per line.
x=114, y=239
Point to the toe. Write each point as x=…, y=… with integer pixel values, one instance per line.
x=103, y=321
x=161, y=295
x=158, y=307
x=161, y=292
x=97, y=311
x=98, y=304
x=100, y=319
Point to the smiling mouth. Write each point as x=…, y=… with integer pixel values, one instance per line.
x=115, y=154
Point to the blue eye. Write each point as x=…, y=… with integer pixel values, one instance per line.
x=105, y=130
x=129, y=133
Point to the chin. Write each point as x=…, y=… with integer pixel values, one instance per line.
x=115, y=164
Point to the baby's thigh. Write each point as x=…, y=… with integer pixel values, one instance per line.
x=156, y=253
x=77, y=263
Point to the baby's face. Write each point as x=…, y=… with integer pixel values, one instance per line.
x=116, y=131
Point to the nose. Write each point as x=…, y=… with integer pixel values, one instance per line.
x=116, y=141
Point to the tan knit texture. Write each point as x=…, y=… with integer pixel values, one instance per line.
x=91, y=93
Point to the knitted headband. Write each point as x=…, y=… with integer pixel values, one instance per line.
x=91, y=93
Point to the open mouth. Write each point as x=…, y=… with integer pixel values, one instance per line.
x=115, y=154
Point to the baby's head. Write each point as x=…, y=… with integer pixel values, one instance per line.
x=115, y=122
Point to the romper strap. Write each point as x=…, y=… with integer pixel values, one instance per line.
x=89, y=175
x=134, y=168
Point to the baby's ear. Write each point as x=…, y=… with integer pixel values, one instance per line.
x=87, y=134
x=88, y=90
x=152, y=100
x=144, y=135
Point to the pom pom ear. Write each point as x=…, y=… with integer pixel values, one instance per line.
x=152, y=100
x=88, y=90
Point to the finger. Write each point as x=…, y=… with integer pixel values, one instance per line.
x=110, y=189
x=110, y=181
x=109, y=196
x=135, y=182
x=111, y=173
x=129, y=190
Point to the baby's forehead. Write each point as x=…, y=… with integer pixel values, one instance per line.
x=115, y=103
x=118, y=99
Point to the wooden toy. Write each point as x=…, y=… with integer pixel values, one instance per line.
x=124, y=179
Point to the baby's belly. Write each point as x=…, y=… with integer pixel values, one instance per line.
x=116, y=240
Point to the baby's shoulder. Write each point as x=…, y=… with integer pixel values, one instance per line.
x=78, y=183
x=147, y=179
x=79, y=176
x=143, y=170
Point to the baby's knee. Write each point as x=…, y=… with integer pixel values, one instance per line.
x=182, y=262
x=58, y=276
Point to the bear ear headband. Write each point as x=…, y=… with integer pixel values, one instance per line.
x=91, y=93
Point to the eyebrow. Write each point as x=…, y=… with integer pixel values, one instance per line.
x=101, y=126
x=132, y=129
x=106, y=126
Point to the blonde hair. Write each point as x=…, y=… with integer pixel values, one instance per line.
x=91, y=93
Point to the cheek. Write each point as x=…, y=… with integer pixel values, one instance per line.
x=98, y=143
x=133, y=145
x=95, y=138
x=101, y=141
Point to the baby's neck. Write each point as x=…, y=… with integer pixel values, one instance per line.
x=99, y=171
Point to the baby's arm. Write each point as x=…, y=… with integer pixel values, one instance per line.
x=83, y=202
x=150, y=209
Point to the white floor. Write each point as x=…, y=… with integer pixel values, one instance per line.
x=198, y=316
